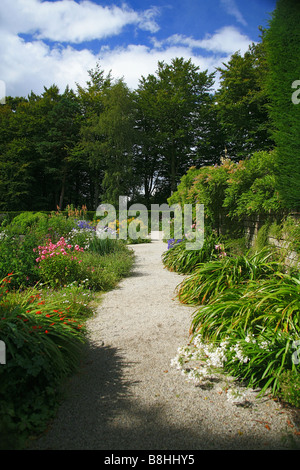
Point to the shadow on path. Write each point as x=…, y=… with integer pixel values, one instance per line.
x=100, y=413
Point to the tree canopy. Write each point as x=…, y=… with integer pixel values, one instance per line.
x=104, y=140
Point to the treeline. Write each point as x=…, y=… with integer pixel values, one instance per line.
x=104, y=140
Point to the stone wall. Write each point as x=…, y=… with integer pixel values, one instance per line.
x=252, y=226
x=291, y=258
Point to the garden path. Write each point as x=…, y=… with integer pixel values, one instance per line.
x=127, y=396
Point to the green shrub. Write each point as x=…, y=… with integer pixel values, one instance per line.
x=289, y=387
x=260, y=360
x=102, y=273
x=104, y=246
x=17, y=255
x=26, y=220
x=268, y=303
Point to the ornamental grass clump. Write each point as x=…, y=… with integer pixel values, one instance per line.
x=261, y=321
x=212, y=278
x=181, y=260
x=270, y=304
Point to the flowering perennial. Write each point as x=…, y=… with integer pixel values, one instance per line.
x=55, y=249
x=201, y=362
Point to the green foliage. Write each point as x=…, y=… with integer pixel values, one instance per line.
x=25, y=221
x=289, y=385
x=232, y=191
x=102, y=273
x=269, y=304
x=282, y=41
x=251, y=188
x=210, y=279
x=261, y=360
x=43, y=346
x=174, y=121
x=181, y=260
x=248, y=315
x=21, y=238
x=58, y=267
x=260, y=320
x=291, y=232
x=43, y=328
x=241, y=103
x=17, y=255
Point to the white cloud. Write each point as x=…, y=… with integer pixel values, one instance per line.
x=233, y=10
x=34, y=63
x=224, y=41
x=68, y=21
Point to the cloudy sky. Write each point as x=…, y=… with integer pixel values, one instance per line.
x=58, y=41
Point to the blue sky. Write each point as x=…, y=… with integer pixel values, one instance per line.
x=58, y=41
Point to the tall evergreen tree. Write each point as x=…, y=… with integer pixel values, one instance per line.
x=282, y=48
x=18, y=154
x=241, y=103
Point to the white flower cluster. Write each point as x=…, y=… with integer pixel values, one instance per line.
x=239, y=353
x=88, y=236
x=208, y=360
x=201, y=361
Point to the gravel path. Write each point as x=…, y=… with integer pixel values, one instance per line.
x=128, y=397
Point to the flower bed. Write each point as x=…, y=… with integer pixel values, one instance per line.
x=44, y=303
x=247, y=320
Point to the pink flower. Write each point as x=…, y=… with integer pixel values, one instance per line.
x=38, y=260
x=43, y=257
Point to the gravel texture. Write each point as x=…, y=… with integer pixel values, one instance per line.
x=127, y=396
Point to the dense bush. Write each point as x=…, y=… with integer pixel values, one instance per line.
x=232, y=191
x=17, y=255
